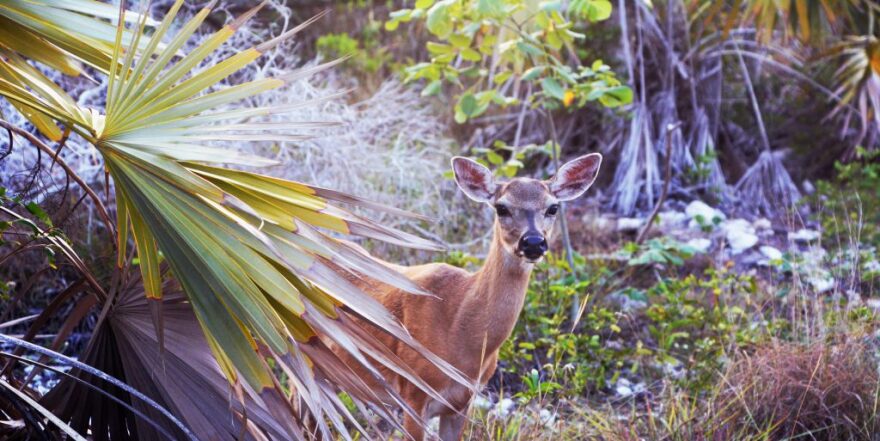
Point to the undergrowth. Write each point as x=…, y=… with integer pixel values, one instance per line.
x=674, y=345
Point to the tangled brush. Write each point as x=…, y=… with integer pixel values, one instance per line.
x=814, y=392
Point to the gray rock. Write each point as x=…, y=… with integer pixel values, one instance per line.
x=629, y=224
x=740, y=235
x=700, y=210
x=804, y=235
x=701, y=244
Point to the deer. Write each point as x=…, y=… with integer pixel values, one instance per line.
x=470, y=314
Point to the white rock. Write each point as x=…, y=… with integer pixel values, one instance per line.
x=700, y=244
x=504, y=407
x=822, y=283
x=623, y=387
x=740, y=235
x=808, y=187
x=481, y=402
x=639, y=388
x=762, y=224
x=672, y=218
x=434, y=424
x=771, y=253
x=625, y=224
x=601, y=223
x=548, y=418
x=673, y=369
x=873, y=303
x=708, y=214
x=803, y=235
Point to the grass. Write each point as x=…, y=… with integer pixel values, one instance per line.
x=782, y=391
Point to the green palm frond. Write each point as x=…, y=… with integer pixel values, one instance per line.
x=857, y=80
x=64, y=35
x=264, y=279
x=808, y=20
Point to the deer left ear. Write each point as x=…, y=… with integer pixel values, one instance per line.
x=575, y=177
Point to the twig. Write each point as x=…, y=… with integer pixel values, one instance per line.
x=522, y=116
x=751, y=89
x=61, y=144
x=563, y=223
x=8, y=150
x=668, y=166
x=102, y=210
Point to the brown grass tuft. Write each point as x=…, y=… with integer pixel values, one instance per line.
x=810, y=392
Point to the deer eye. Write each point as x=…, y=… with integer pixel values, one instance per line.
x=502, y=210
x=552, y=210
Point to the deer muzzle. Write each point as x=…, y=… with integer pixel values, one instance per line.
x=532, y=246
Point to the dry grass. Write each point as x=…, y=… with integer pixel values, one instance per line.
x=781, y=391
x=815, y=391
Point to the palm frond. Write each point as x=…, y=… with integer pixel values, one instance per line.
x=857, y=82
x=63, y=35
x=265, y=285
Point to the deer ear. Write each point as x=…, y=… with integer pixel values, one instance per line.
x=473, y=179
x=575, y=177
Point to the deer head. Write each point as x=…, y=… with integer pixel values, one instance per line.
x=525, y=208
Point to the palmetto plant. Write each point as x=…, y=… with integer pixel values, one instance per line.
x=258, y=271
x=716, y=65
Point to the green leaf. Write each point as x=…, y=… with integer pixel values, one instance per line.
x=38, y=212
x=494, y=158
x=439, y=21
x=460, y=40
x=424, y=4
x=592, y=10
x=553, y=5
x=439, y=48
x=552, y=88
x=490, y=8
x=616, y=96
x=433, y=88
x=468, y=104
x=533, y=73
x=471, y=55
x=502, y=77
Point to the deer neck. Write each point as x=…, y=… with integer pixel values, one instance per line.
x=500, y=290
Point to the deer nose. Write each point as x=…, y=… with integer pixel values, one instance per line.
x=533, y=246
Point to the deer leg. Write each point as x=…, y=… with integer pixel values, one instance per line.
x=414, y=430
x=451, y=427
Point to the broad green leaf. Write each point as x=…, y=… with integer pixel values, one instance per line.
x=433, y=88
x=533, y=73
x=468, y=104
x=490, y=8
x=439, y=21
x=552, y=88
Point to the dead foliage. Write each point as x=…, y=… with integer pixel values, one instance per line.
x=815, y=391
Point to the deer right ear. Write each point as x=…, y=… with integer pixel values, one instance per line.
x=473, y=179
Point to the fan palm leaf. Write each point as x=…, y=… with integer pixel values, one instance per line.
x=857, y=81
x=63, y=35
x=264, y=283
x=809, y=21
